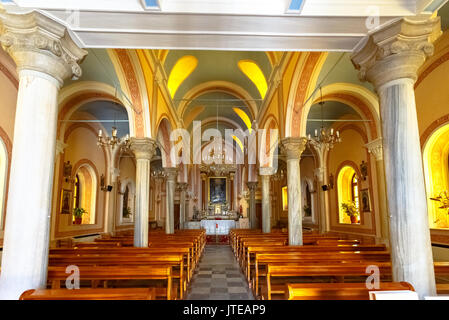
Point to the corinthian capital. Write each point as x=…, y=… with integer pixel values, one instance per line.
x=38, y=43
x=143, y=148
x=171, y=173
x=293, y=147
x=375, y=148
x=396, y=50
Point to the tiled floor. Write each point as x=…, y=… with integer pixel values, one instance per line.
x=218, y=277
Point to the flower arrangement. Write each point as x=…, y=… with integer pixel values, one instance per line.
x=443, y=199
x=126, y=212
x=351, y=209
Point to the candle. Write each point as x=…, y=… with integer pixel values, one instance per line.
x=338, y=133
x=309, y=136
x=316, y=132
x=100, y=133
x=114, y=132
x=332, y=131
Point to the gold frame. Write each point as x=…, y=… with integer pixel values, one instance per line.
x=208, y=188
x=70, y=195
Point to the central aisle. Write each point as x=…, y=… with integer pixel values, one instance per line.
x=218, y=277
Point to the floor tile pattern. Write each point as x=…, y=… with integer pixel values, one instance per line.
x=218, y=277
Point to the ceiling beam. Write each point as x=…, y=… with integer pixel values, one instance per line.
x=160, y=30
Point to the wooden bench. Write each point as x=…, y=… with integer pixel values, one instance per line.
x=90, y=294
x=148, y=260
x=338, y=291
x=56, y=274
x=290, y=272
x=301, y=258
x=252, y=251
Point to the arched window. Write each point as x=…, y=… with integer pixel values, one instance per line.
x=348, y=193
x=85, y=193
x=436, y=172
x=3, y=178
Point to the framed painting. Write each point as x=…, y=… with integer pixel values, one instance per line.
x=66, y=199
x=366, y=201
x=217, y=190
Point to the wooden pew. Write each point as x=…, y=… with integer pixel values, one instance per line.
x=147, y=260
x=253, y=250
x=131, y=251
x=338, y=291
x=90, y=294
x=301, y=258
x=56, y=274
x=288, y=272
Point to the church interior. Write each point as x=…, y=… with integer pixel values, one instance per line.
x=182, y=150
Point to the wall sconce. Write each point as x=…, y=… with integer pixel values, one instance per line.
x=103, y=186
x=364, y=170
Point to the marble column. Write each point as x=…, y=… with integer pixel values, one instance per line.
x=293, y=148
x=265, y=174
x=320, y=174
x=170, y=185
x=375, y=148
x=252, y=186
x=45, y=56
x=182, y=187
x=390, y=58
x=322, y=150
x=143, y=149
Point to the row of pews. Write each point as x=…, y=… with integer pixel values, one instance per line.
x=325, y=267
x=110, y=268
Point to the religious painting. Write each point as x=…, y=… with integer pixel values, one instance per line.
x=366, y=202
x=217, y=190
x=66, y=197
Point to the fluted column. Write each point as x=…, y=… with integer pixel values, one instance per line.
x=375, y=148
x=389, y=58
x=252, y=186
x=170, y=184
x=45, y=56
x=266, y=174
x=293, y=148
x=182, y=203
x=143, y=149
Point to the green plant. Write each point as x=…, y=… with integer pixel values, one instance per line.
x=307, y=210
x=126, y=212
x=78, y=212
x=350, y=208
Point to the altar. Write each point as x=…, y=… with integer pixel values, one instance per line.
x=217, y=227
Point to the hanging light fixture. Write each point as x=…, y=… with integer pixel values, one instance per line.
x=325, y=136
x=113, y=140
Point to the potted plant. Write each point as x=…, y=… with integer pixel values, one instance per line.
x=78, y=214
x=126, y=212
x=307, y=210
x=351, y=210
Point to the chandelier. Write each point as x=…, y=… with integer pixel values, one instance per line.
x=325, y=136
x=113, y=141
x=158, y=174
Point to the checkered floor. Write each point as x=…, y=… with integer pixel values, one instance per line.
x=218, y=277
